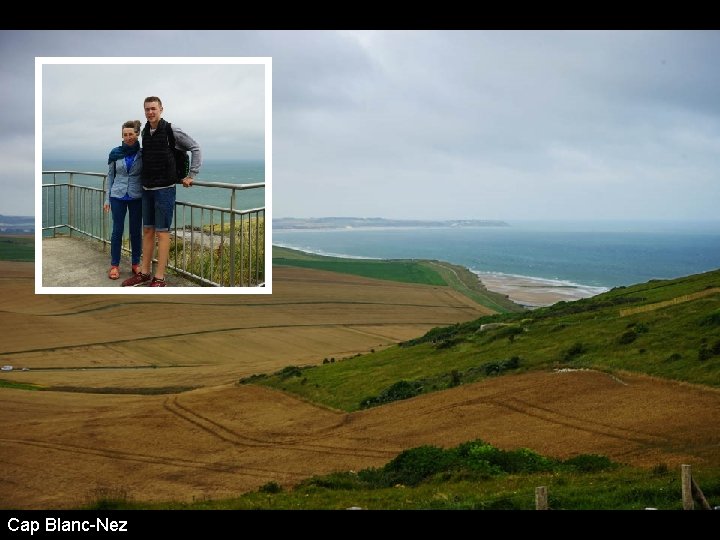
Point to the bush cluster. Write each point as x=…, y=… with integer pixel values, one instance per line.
x=471, y=460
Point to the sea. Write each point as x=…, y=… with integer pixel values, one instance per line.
x=231, y=171
x=590, y=256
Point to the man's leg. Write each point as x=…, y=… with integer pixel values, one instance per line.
x=148, y=241
x=148, y=249
x=164, y=209
x=163, y=253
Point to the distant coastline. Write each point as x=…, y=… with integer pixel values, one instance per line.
x=525, y=291
x=365, y=223
x=17, y=224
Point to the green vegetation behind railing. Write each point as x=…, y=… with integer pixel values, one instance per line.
x=208, y=253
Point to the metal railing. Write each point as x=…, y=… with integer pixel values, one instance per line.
x=213, y=245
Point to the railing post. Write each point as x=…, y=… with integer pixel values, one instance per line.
x=232, y=239
x=222, y=249
x=192, y=242
x=257, y=245
x=71, y=203
x=54, y=203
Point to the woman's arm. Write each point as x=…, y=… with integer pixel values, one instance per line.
x=111, y=179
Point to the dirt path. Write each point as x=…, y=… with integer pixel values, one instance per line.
x=677, y=300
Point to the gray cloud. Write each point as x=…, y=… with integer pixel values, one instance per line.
x=437, y=124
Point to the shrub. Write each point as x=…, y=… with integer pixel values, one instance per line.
x=512, y=363
x=716, y=348
x=704, y=353
x=455, y=377
x=479, y=455
x=589, y=463
x=627, y=337
x=339, y=480
x=674, y=357
x=252, y=378
x=270, y=487
x=447, y=343
x=415, y=465
x=491, y=368
x=399, y=390
x=573, y=352
x=711, y=320
x=526, y=460
x=289, y=371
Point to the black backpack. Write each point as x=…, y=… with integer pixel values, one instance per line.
x=182, y=160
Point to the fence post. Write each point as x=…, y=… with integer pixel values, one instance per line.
x=686, y=479
x=541, y=498
x=55, y=203
x=71, y=203
x=232, y=239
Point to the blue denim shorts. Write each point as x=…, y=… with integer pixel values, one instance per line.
x=158, y=206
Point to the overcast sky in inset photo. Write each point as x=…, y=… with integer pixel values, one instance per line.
x=85, y=105
x=409, y=124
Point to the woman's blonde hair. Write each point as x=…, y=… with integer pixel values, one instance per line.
x=134, y=124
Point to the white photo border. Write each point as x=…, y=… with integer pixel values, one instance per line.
x=42, y=61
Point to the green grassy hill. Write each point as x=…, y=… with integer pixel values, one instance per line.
x=668, y=328
x=427, y=272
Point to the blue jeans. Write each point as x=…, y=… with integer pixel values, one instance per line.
x=119, y=209
x=158, y=206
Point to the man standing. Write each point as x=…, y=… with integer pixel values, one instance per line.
x=158, y=180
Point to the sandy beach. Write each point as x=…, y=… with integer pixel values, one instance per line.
x=536, y=292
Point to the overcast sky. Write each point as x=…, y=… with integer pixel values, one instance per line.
x=406, y=124
x=220, y=106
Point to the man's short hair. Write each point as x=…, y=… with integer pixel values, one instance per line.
x=153, y=98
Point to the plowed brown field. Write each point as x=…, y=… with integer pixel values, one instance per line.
x=60, y=449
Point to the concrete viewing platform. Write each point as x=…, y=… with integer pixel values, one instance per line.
x=72, y=261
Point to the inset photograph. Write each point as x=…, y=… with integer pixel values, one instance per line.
x=152, y=175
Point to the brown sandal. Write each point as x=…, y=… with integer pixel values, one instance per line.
x=114, y=272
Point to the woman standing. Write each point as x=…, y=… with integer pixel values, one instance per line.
x=124, y=195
